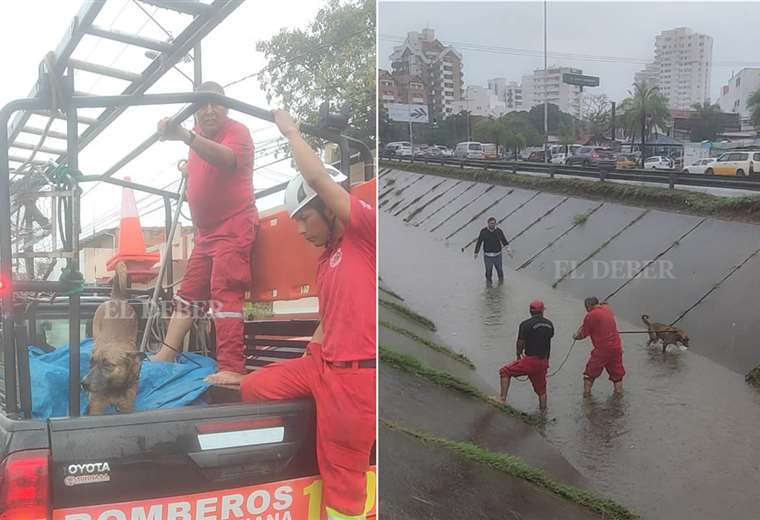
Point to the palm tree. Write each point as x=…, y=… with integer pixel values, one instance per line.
x=753, y=103
x=647, y=109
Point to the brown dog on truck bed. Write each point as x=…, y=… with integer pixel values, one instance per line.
x=115, y=362
x=668, y=334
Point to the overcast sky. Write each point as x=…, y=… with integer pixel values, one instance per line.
x=30, y=28
x=622, y=31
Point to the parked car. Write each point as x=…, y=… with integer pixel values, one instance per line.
x=404, y=150
x=490, y=152
x=391, y=148
x=536, y=157
x=469, y=150
x=658, y=162
x=592, y=156
x=445, y=150
x=432, y=152
x=625, y=162
x=558, y=158
x=745, y=162
x=508, y=156
x=700, y=166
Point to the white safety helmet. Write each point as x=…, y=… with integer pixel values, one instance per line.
x=298, y=193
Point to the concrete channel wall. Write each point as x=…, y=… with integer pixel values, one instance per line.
x=700, y=274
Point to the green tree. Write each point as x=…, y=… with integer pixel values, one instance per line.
x=705, y=124
x=490, y=131
x=753, y=103
x=643, y=111
x=333, y=59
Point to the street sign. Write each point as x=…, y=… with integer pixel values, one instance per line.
x=406, y=113
x=580, y=80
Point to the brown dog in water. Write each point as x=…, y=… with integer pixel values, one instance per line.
x=668, y=334
x=115, y=362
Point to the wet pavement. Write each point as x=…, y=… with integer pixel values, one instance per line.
x=681, y=442
x=436, y=484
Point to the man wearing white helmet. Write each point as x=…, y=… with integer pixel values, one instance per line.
x=339, y=368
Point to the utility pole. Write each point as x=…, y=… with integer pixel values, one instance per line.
x=409, y=109
x=546, y=93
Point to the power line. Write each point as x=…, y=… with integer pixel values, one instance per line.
x=496, y=49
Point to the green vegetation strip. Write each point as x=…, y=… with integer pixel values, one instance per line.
x=516, y=467
x=413, y=366
x=745, y=208
x=753, y=377
x=409, y=313
x=388, y=291
x=430, y=344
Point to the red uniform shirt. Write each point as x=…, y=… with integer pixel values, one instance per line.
x=599, y=323
x=347, y=283
x=215, y=195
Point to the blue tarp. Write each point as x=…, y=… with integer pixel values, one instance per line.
x=161, y=385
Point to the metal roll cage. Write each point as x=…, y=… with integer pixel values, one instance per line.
x=14, y=334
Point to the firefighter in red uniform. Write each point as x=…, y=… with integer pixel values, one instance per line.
x=222, y=204
x=534, y=339
x=338, y=370
x=607, y=353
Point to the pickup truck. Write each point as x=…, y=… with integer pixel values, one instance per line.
x=223, y=460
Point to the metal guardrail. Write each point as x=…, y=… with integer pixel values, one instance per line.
x=671, y=178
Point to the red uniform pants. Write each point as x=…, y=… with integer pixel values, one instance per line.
x=346, y=419
x=610, y=360
x=217, y=276
x=532, y=366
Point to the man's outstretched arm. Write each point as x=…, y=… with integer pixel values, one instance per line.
x=312, y=169
x=212, y=152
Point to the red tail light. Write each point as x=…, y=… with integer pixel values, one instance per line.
x=24, y=486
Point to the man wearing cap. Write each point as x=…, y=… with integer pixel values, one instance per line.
x=493, y=241
x=607, y=354
x=223, y=209
x=533, y=348
x=339, y=368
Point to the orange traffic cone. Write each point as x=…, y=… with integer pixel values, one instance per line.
x=131, y=248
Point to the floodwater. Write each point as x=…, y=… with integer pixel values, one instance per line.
x=681, y=443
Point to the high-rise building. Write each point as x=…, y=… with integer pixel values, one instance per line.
x=480, y=101
x=510, y=93
x=735, y=94
x=648, y=75
x=438, y=66
x=548, y=86
x=682, y=67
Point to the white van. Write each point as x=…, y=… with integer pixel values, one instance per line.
x=739, y=163
x=391, y=148
x=468, y=150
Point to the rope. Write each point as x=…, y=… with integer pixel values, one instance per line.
x=567, y=356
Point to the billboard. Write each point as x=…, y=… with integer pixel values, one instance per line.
x=580, y=80
x=403, y=112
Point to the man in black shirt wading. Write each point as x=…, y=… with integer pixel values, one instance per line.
x=493, y=240
x=533, y=346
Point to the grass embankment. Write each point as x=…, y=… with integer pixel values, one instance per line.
x=736, y=208
x=428, y=343
x=408, y=313
x=413, y=366
x=516, y=467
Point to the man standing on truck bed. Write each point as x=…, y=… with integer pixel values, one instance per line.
x=338, y=370
x=223, y=209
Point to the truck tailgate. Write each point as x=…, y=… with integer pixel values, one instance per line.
x=179, y=452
